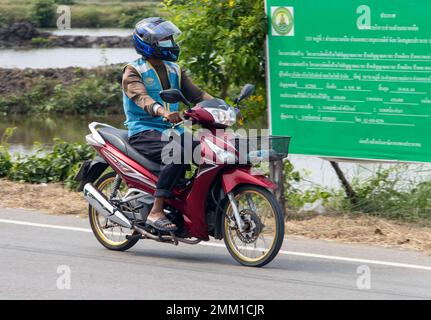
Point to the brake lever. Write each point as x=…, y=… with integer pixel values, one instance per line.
x=177, y=124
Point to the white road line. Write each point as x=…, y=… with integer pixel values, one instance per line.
x=40, y=225
x=337, y=258
x=219, y=245
x=362, y=261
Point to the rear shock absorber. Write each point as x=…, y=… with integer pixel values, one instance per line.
x=116, y=186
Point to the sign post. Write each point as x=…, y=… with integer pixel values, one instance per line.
x=351, y=79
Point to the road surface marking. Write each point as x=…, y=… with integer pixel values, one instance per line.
x=337, y=258
x=40, y=225
x=211, y=244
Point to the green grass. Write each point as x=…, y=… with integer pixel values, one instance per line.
x=83, y=2
x=88, y=14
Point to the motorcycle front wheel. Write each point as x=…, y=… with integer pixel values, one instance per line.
x=261, y=240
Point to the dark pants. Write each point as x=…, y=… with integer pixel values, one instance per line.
x=150, y=145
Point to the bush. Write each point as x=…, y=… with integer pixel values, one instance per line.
x=91, y=95
x=92, y=16
x=130, y=16
x=5, y=163
x=3, y=20
x=84, y=92
x=65, y=2
x=5, y=157
x=41, y=42
x=12, y=12
x=59, y=165
x=388, y=193
x=85, y=15
x=42, y=13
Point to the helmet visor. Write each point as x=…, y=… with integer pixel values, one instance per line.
x=158, y=32
x=166, y=29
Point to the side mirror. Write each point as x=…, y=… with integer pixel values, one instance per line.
x=246, y=92
x=174, y=96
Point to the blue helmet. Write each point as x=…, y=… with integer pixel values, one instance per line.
x=155, y=37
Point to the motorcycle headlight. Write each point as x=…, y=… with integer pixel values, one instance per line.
x=224, y=117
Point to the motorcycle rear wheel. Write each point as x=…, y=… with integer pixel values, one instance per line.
x=261, y=241
x=116, y=241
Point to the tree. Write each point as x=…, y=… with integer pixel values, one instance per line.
x=43, y=13
x=223, y=43
x=131, y=15
x=65, y=2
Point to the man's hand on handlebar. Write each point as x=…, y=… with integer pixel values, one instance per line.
x=172, y=117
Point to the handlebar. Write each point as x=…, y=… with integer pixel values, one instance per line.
x=184, y=117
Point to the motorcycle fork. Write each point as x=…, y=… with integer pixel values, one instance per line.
x=236, y=214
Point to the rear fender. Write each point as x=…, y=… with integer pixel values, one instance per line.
x=232, y=178
x=90, y=171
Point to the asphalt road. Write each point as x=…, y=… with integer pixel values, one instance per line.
x=40, y=253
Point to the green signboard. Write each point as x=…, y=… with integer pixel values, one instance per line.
x=351, y=78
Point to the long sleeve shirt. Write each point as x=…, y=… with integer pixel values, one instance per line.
x=135, y=89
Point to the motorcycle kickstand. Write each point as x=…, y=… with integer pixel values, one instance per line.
x=174, y=238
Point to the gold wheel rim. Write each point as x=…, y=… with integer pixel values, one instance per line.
x=270, y=225
x=96, y=222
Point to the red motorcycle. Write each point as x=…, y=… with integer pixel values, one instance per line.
x=223, y=199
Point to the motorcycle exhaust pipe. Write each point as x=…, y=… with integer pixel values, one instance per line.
x=99, y=202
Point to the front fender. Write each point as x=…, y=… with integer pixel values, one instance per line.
x=236, y=176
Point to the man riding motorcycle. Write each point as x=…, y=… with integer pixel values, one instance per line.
x=148, y=116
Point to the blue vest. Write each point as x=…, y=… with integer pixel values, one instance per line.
x=138, y=120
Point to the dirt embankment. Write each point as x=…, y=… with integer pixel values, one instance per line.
x=56, y=199
x=25, y=35
x=50, y=198
x=22, y=80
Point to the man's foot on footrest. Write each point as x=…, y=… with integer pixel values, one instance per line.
x=162, y=224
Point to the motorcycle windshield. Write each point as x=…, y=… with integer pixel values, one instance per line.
x=215, y=104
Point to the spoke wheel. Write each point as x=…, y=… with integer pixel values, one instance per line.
x=260, y=241
x=109, y=234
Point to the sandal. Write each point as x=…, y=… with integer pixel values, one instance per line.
x=161, y=224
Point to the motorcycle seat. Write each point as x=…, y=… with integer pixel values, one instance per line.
x=119, y=139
